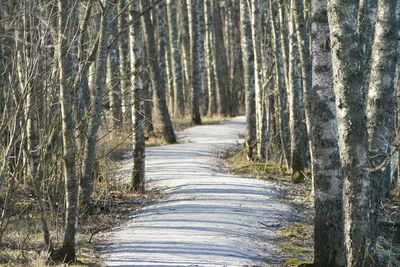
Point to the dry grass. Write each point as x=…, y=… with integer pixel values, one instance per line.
x=237, y=162
x=112, y=204
x=23, y=242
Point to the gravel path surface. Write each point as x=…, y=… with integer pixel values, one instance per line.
x=209, y=217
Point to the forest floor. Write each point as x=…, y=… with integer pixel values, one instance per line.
x=206, y=204
x=206, y=217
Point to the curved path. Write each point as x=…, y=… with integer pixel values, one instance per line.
x=208, y=218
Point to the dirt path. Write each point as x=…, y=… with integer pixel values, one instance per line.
x=209, y=218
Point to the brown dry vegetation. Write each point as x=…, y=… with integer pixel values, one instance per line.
x=113, y=202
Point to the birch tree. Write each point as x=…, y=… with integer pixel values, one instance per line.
x=284, y=40
x=136, y=53
x=95, y=119
x=209, y=59
x=197, y=54
x=123, y=50
x=283, y=116
x=353, y=136
x=113, y=71
x=155, y=73
x=381, y=104
x=259, y=103
x=366, y=22
x=326, y=168
x=304, y=56
x=220, y=56
x=296, y=108
x=179, y=101
x=248, y=67
x=66, y=11
x=184, y=39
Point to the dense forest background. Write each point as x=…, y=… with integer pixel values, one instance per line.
x=316, y=79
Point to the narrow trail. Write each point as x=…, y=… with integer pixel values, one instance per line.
x=208, y=218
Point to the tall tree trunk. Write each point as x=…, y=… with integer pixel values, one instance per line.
x=231, y=52
x=259, y=103
x=305, y=59
x=396, y=178
x=284, y=40
x=221, y=64
x=366, y=21
x=161, y=16
x=86, y=184
x=148, y=95
x=200, y=51
x=381, y=103
x=248, y=68
x=201, y=54
x=159, y=25
x=148, y=99
x=210, y=66
x=184, y=40
x=170, y=79
x=67, y=252
x=353, y=136
x=113, y=72
x=123, y=50
x=156, y=76
x=326, y=169
x=197, y=54
x=136, y=52
x=283, y=116
x=179, y=100
x=295, y=105
x=284, y=49
x=82, y=82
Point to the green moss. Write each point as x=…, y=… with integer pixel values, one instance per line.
x=258, y=167
x=297, y=177
x=301, y=226
x=238, y=163
x=290, y=233
x=293, y=249
x=296, y=262
x=296, y=244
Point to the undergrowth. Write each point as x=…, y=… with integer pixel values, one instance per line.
x=112, y=203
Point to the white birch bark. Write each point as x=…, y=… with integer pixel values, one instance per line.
x=248, y=68
x=136, y=54
x=295, y=105
x=67, y=252
x=326, y=168
x=179, y=101
x=381, y=104
x=353, y=136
